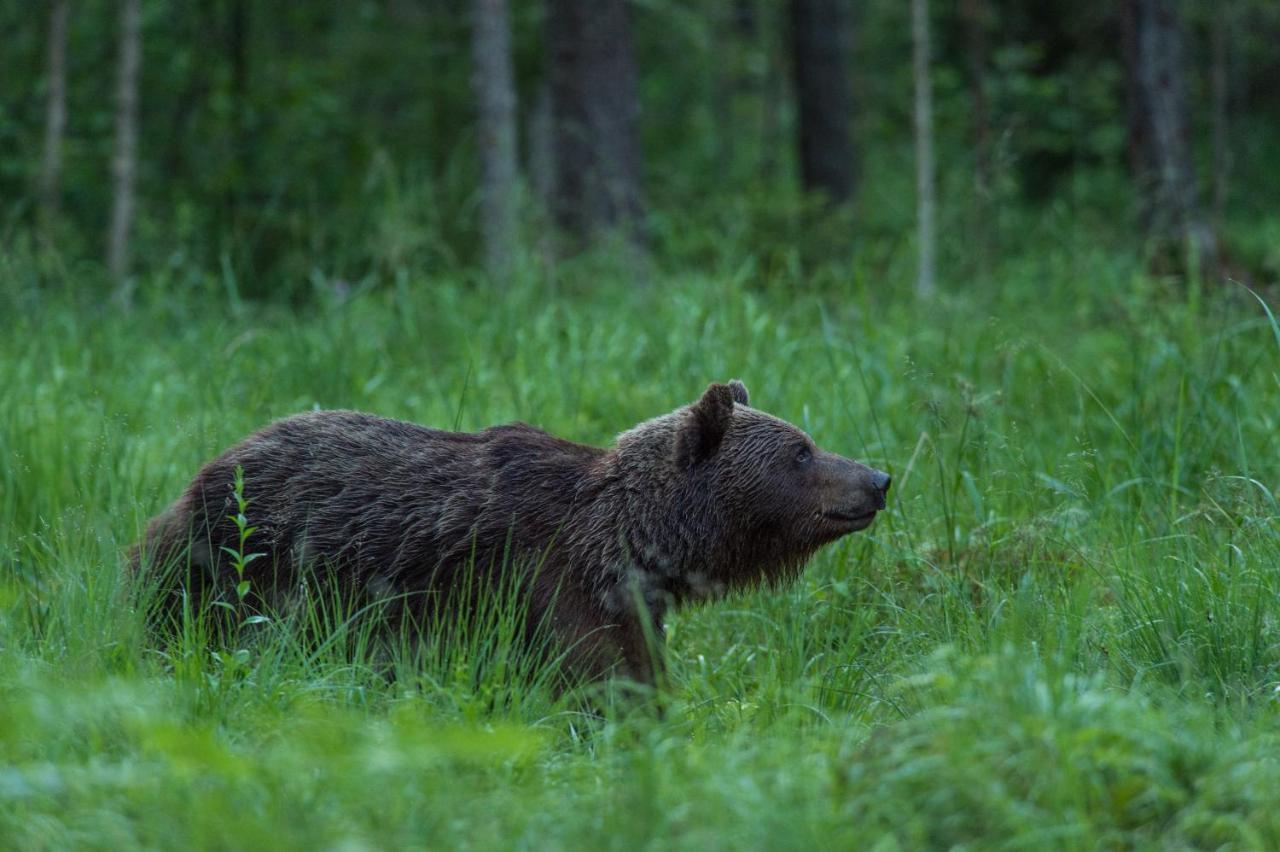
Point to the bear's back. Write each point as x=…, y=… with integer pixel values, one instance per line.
x=380, y=500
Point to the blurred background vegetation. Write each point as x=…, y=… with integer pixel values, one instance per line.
x=991, y=247
x=283, y=147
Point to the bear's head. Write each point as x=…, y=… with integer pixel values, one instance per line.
x=772, y=491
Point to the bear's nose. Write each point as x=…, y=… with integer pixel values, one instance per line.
x=881, y=481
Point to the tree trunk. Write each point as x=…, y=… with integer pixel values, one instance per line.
x=595, y=107
x=540, y=164
x=775, y=94
x=495, y=131
x=1137, y=132
x=924, y=146
x=56, y=114
x=1221, y=98
x=1160, y=124
x=820, y=53
x=124, y=162
x=975, y=13
x=237, y=46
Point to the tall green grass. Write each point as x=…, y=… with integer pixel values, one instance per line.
x=1064, y=633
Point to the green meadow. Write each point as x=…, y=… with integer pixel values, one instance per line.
x=1064, y=632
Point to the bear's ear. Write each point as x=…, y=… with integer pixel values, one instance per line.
x=704, y=427
x=739, y=391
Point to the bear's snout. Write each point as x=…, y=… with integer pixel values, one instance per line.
x=853, y=492
x=879, y=484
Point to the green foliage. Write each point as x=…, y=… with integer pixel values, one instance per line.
x=333, y=141
x=1064, y=633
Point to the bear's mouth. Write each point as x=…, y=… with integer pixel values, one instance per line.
x=856, y=518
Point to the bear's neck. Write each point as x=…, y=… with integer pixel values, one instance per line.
x=673, y=543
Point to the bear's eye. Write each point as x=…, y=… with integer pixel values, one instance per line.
x=803, y=454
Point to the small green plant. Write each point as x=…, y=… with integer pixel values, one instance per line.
x=232, y=662
x=240, y=559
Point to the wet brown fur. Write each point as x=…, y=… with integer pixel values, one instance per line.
x=711, y=497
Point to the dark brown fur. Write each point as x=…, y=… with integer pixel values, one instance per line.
x=711, y=497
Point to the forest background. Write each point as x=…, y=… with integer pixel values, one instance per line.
x=1022, y=255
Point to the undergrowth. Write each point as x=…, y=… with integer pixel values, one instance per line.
x=1065, y=632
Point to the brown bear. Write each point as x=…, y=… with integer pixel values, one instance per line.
x=712, y=497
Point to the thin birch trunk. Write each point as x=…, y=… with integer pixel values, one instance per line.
x=124, y=162
x=925, y=282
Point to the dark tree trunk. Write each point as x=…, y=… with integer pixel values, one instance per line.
x=1221, y=105
x=124, y=161
x=820, y=53
x=1160, y=144
x=595, y=105
x=194, y=92
x=975, y=13
x=775, y=93
x=495, y=94
x=56, y=113
x=1137, y=128
x=241, y=146
x=541, y=162
x=737, y=20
